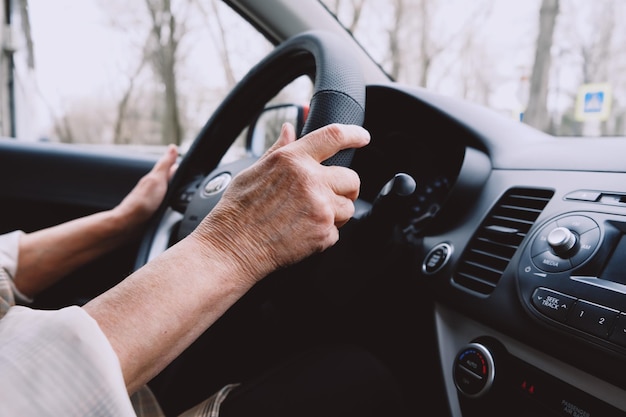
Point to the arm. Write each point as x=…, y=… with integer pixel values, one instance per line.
x=287, y=199
x=49, y=254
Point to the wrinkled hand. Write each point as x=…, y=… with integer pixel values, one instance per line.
x=145, y=198
x=287, y=205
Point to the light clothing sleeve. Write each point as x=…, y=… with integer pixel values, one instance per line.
x=9, y=246
x=58, y=363
x=54, y=363
x=9, y=250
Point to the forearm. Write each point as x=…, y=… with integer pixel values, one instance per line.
x=158, y=311
x=47, y=255
x=273, y=214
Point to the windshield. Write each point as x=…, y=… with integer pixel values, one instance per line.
x=556, y=65
x=151, y=73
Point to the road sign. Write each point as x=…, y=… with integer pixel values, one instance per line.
x=593, y=102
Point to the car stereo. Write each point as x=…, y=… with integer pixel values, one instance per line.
x=572, y=274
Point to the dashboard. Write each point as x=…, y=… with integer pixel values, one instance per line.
x=508, y=244
x=525, y=255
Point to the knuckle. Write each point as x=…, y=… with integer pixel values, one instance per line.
x=333, y=132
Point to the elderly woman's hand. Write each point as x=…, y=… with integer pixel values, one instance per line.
x=287, y=205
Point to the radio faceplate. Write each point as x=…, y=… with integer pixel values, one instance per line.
x=572, y=274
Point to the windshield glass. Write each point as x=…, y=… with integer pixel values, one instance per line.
x=151, y=73
x=113, y=72
x=556, y=65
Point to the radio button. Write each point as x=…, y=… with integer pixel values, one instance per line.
x=540, y=244
x=578, y=224
x=549, y=262
x=553, y=304
x=618, y=335
x=592, y=318
x=587, y=243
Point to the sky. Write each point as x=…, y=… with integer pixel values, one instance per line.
x=67, y=60
x=67, y=63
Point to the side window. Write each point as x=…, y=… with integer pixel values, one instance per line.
x=118, y=72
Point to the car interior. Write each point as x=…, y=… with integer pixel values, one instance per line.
x=485, y=264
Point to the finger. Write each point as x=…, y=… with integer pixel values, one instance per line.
x=172, y=171
x=166, y=165
x=344, y=210
x=287, y=135
x=343, y=181
x=326, y=141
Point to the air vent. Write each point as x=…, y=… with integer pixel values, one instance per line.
x=497, y=239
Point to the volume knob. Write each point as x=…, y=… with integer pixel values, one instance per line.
x=562, y=241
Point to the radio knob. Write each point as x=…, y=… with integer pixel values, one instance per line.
x=562, y=241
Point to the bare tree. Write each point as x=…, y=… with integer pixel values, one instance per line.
x=589, y=45
x=536, y=113
x=395, y=40
x=63, y=130
x=166, y=36
x=357, y=9
x=353, y=7
x=84, y=120
x=417, y=38
x=427, y=48
x=25, y=16
x=220, y=42
x=165, y=29
x=595, y=49
x=118, y=129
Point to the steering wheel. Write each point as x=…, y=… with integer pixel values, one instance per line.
x=338, y=97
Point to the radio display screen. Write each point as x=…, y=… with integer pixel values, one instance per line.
x=615, y=269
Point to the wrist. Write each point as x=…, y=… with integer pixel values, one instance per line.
x=121, y=220
x=244, y=260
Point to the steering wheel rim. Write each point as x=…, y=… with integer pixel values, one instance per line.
x=338, y=97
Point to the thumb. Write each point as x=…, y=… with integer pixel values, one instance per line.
x=287, y=136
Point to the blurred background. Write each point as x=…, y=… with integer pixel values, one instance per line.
x=151, y=72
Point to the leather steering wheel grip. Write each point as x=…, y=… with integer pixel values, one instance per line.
x=339, y=87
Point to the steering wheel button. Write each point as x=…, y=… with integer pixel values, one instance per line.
x=552, y=304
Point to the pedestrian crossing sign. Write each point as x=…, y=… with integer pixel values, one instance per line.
x=593, y=102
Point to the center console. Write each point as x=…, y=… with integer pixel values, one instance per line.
x=572, y=275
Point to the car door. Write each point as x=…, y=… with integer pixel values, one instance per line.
x=43, y=184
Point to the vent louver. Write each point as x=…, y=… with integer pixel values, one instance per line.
x=498, y=237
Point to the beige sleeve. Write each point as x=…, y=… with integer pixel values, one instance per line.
x=9, y=253
x=58, y=363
